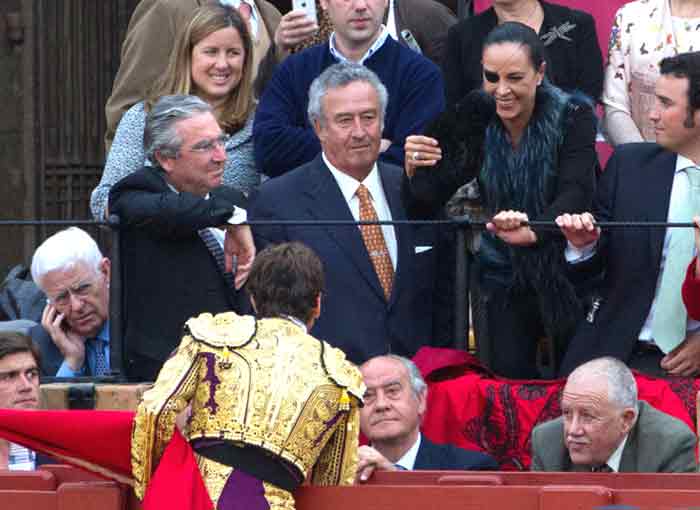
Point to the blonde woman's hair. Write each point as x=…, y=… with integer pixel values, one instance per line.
x=177, y=79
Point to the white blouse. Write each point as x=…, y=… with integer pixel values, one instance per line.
x=643, y=34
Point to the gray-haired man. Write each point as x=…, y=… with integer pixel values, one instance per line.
x=395, y=402
x=174, y=216
x=379, y=281
x=605, y=428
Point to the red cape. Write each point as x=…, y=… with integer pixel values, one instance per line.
x=100, y=441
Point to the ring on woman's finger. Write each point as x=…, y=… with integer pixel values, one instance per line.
x=415, y=156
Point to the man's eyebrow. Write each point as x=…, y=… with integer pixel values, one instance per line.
x=18, y=370
x=384, y=385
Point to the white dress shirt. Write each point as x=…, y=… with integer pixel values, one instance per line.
x=21, y=458
x=348, y=186
x=238, y=216
x=616, y=457
x=409, y=458
x=391, y=22
x=680, y=191
x=378, y=43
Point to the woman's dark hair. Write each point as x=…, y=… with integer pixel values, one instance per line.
x=685, y=65
x=286, y=279
x=518, y=33
x=15, y=343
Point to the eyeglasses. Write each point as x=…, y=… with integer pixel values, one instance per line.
x=208, y=145
x=80, y=291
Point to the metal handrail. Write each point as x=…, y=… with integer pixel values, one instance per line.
x=117, y=341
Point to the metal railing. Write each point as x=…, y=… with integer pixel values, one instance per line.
x=118, y=342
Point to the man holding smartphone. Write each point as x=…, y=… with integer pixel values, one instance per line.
x=74, y=333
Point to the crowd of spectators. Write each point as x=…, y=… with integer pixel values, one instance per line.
x=388, y=110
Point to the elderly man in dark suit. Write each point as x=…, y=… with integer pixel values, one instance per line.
x=604, y=428
x=181, y=229
x=395, y=402
x=637, y=314
x=379, y=280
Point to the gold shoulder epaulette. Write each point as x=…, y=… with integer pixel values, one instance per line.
x=226, y=329
x=342, y=371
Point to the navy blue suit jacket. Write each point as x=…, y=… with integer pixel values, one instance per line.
x=432, y=456
x=636, y=186
x=355, y=315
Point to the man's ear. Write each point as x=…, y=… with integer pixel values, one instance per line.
x=318, y=129
x=628, y=418
x=165, y=162
x=422, y=398
x=105, y=267
x=317, y=308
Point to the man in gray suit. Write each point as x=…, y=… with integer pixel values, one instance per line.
x=605, y=428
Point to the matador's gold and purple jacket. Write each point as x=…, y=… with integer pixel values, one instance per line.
x=270, y=405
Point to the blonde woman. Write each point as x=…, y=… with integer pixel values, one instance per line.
x=212, y=58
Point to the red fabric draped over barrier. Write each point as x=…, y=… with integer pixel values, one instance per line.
x=100, y=441
x=470, y=407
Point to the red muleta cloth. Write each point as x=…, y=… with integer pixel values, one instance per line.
x=100, y=442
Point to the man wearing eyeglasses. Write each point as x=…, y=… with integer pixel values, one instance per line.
x=180, y=232
x=74, y=333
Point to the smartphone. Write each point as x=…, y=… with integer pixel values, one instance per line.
x=308, y=6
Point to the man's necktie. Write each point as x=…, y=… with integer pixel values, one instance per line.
x=603, y=468
x=670, y=316
x=374, y=242
x=218, y=253
x=100, y=367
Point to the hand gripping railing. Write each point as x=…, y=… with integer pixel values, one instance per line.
x=462, y=225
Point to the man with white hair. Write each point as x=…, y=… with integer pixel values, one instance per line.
x=394, y=405
x=604, y=428
x=74, y=333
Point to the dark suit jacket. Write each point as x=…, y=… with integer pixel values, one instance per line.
x=636, y=186
x=355, y=315
x=51, y=357
x=658, y=443
x=432, y=456
x=169, y=275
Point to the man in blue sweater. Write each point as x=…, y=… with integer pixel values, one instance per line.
x=283, y=135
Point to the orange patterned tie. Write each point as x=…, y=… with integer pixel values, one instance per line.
x=374, y=241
